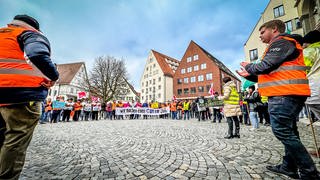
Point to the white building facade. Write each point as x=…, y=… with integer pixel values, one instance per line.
x=157, y=78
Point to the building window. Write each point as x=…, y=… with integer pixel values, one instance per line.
x=159, y=87
x=146, y=90
x=54, y=92
x=208, y=88
x=146, y=83
x=159, y=79
x=49, y=92
x=71, y=90
x=193, y=79
x=193, y=90
x=195, y=57
x=278, y=11
x=159, y=95
x=185, y=91
x=297, y=23
x=154, y=65
x=179, y=81
x=142, y=84
x=196, y=68
x=253, y=54
x=189, y=69
x=179, y=91
x=154, y=81
x=203, y=66
x=142, y=90
x=200, y=78
x=288, y=27
x=200, y=89
x=151, y=59
x=183, y=71
x=209, y=76
x=189, y=59
x=147, y=68
x=141, y=97
x=186, y=80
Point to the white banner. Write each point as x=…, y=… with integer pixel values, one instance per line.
x=141, y=111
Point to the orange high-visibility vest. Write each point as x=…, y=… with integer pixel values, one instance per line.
x=173, y=107
x=14, y=69
x=288, y=79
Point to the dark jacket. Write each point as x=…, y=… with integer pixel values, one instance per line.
x=37, y=49
x=279, y=52
x=254, y=100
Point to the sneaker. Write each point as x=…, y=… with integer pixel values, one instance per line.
x=280, y=170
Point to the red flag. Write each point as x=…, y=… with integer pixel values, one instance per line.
x=174, y=98
x=211, y=90
x=81, y=95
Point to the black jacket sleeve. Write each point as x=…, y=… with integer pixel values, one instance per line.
x=37, y=49
x=279, y=52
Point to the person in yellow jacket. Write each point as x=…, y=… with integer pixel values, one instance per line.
x=231, y=107
x=282, y=78
x=186, y=109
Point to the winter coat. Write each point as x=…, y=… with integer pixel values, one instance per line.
x=312, y=52
x=229, y=109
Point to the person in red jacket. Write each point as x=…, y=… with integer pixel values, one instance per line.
x=26, y=73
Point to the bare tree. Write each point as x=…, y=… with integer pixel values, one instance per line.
x=107, y=78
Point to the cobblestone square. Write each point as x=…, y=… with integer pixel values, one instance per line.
x=153, y=149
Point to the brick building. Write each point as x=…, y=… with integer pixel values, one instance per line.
x=197, y=70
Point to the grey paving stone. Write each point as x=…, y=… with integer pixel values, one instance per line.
x=152, y=149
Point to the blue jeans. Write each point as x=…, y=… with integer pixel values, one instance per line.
x=284, y=110
x=186, y=115
x=254, y=119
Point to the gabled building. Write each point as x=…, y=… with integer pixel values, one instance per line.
x=157, y=78
x=71, y=80
x=129, y=94
x=284, y=10
x=198, y=69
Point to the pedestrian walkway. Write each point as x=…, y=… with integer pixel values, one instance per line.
x=153, y=149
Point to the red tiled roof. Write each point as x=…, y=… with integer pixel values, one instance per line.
x=165, y=67
x=68, y=71
x=217, y=62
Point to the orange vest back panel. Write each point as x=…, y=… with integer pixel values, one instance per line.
x=14, y=70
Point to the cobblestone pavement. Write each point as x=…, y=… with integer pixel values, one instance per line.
x=152, y=149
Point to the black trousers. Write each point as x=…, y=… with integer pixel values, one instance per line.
x=230, y=121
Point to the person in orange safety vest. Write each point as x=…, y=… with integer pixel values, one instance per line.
x=282, y=78
x=26, y=73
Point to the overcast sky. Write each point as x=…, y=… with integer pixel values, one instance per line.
x=81, y=30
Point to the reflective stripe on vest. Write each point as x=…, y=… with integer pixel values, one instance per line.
x=283, y=82
x=288, y=79
x=233, y=98
x=285, y=68
x=24, y=68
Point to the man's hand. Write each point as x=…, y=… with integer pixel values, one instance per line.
x=242, y=72
x=48, y=84
x=243, y=64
